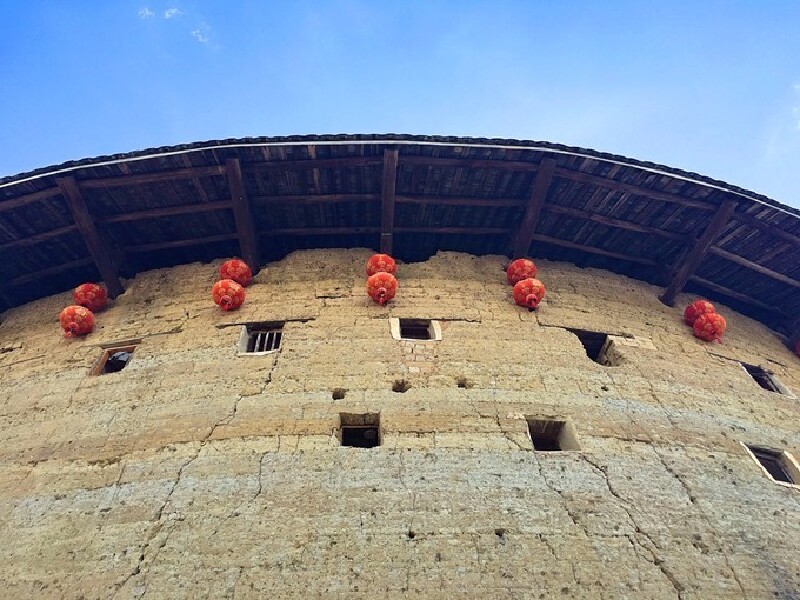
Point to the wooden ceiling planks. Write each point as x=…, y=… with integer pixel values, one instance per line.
x=598, y=205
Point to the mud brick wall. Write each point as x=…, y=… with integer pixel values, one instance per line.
x=199, y=473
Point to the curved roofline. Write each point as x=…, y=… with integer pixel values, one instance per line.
x=396, y=139
x=263, y=197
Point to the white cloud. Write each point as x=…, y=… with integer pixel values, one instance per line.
x=146, y=13
x=171, y=13
x=200, y=36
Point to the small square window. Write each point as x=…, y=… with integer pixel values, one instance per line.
x=552, y=436
x=261, y=338
x=595, y=344
x=779, y=465
x=766, y=379
x=415, y=329
x=360, y=430
x=113, y=359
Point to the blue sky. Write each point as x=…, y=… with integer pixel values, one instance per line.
x=711, y=87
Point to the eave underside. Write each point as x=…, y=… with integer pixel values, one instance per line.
x=177, y=205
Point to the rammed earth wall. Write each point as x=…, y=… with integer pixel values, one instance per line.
x=198, y=473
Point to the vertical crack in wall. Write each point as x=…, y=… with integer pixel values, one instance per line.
x=144, y=548
x=654, y=548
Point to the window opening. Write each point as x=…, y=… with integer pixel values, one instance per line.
x=764, y=378
x=594, y=343
x=260, y=338
x=113, y=360
x=416, y=329
x=774, y=462
x=360, y=430
x=552, y=436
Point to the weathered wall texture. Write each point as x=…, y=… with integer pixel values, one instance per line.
x=195, y=473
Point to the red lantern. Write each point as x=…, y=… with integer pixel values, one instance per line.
x=76, y=320
x=381, y=263
x=237, y=270
x=529, y=293
x=797, y=348
x=381, y=287
x=697, y=308
x=520, y=269
x=228, y=294
x=90, y=295
x=709, y=327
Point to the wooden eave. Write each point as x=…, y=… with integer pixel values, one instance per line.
x=266, y=197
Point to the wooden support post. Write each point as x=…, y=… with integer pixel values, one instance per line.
x=98, y=249
x=794, y=333
x=248, y=241
x=387, y=199
x=524, y=236
x=685, y=269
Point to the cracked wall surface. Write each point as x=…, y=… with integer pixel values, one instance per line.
x=197, y=473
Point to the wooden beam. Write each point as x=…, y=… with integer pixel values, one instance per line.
x=626, y=225
x=766, y=226
x=793, y=328
x=28, y=198
x=242, y=212
x=324, y=230
x=99, y=251
x=315, y=163
x=362, y=230
x=628, y=188
x=744, y=298
x=39, y=237
x=223, y=237
x=754, y=266
x=592, y=250
x=459, y=201
x=302, y=199
x=522, y=239
x=167, y=211
x=157, y=177
x=469, y=163
x=456, y=230
x=692, y=259
x=388, y=185
x=54, y=270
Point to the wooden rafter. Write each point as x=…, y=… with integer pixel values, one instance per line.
x=54, y=270
x=39, y=237
x=243, y=214
x=100, y=252
x=744, y=298
x=29, y=198
x=618, y=223
x=388, y=185
x=318, y=163
x=635, y=190
x=524, y=235
x=685, y=269
x=223, y=237
x=749, y=264
x=298, y=199
x=167, y=211
x=158, y=177
x=592, y=249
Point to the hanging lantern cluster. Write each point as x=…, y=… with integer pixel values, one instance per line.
x=381, y=282
x=528, y=291
x=78, y=319
x=228, y=292
x=704, y=320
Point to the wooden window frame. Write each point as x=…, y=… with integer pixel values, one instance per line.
x=108, y=350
